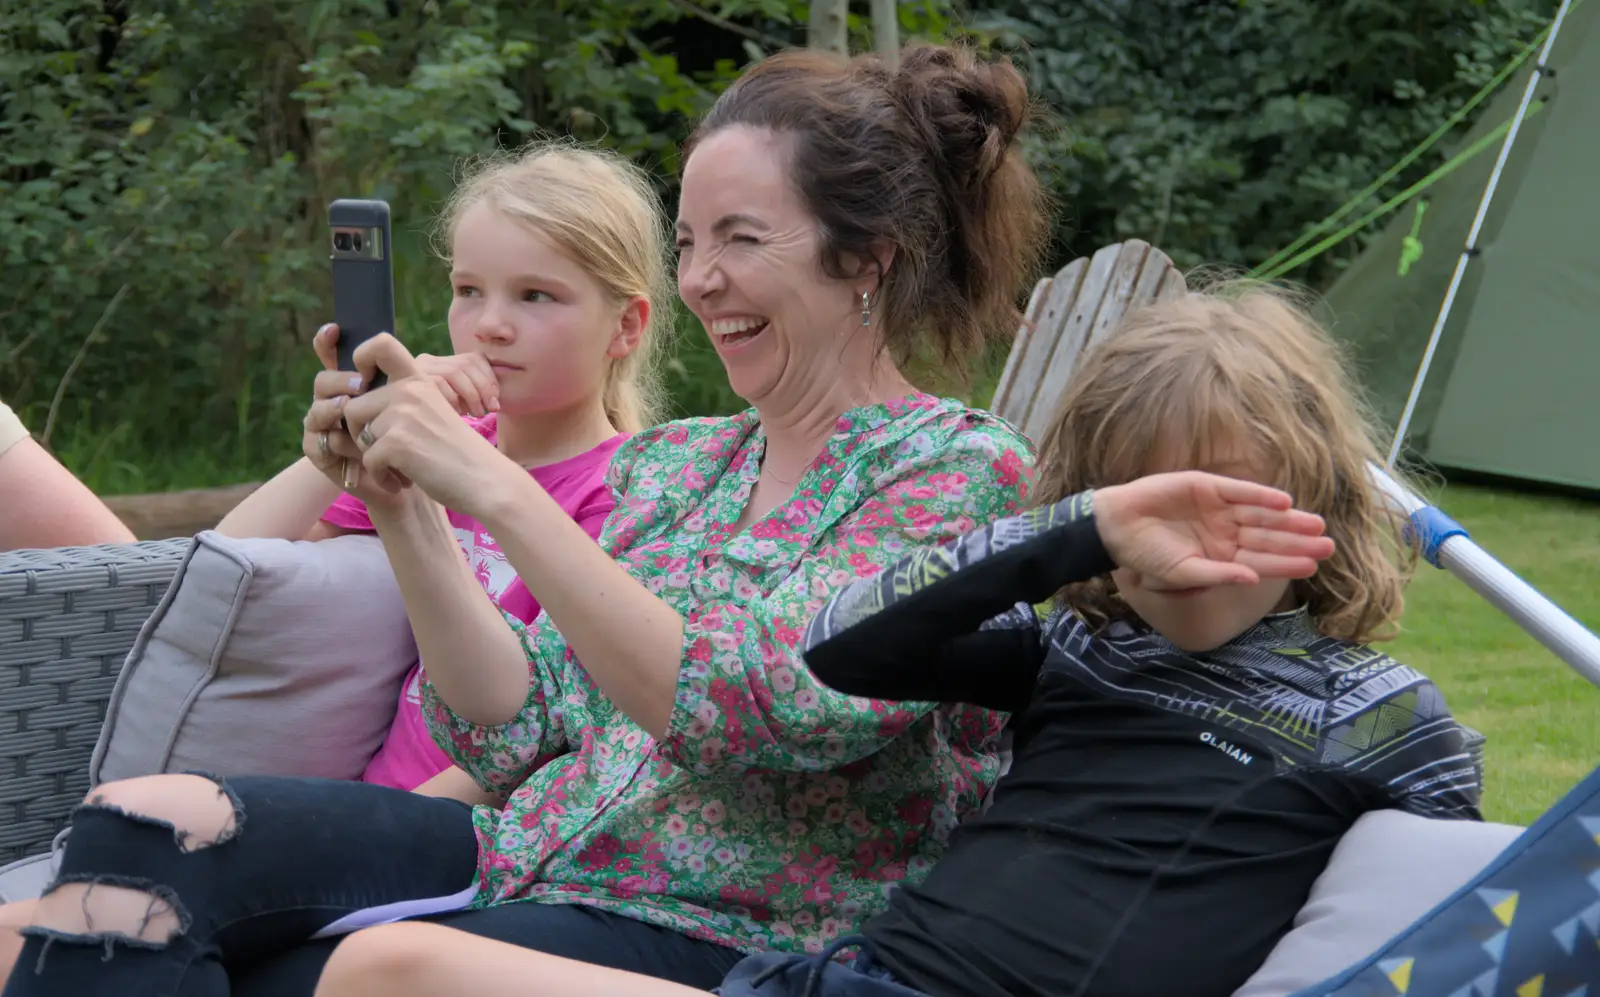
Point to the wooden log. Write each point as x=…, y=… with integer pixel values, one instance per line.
x=159, y=515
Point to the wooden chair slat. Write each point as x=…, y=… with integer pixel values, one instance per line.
x=1074, y=317
x=1026, y=339
x=1125, y=273
x=1035, y=360
x=1069, y=313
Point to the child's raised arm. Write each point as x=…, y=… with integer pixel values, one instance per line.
x=954, y=623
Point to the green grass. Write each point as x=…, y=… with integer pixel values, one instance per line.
x=1539, y=715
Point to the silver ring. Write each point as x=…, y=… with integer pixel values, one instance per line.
x=366, y=439
x=322, y=444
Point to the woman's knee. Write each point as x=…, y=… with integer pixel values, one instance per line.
x=105, y=891
x=91, y=910
x=200, y=811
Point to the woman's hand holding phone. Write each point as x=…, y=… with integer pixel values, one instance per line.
x=327, y=442
x=377, y=442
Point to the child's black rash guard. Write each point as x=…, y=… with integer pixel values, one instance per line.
x=1166, y=813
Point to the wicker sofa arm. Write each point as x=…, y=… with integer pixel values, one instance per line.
x=68, y=617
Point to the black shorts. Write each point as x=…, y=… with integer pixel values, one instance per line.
x=784, y=974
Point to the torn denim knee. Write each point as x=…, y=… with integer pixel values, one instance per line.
x=162, y=900
x=183, y=837
x=128, y=927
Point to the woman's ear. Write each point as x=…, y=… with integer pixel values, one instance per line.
x=882, y=259
x=631, y=324
x=870, y=270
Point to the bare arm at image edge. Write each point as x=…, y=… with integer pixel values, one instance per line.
x=46, y=506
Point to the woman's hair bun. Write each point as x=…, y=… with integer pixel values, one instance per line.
x=969, y=111
x=922, y=160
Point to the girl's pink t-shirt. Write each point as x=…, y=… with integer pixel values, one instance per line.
x=408, y=756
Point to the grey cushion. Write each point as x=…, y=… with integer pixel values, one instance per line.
x=26, y=878
x=1389, y=869
x=264, y=657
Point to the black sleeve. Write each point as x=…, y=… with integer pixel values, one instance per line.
x=1445, y=774
x=955, y=623
x=1393, y=727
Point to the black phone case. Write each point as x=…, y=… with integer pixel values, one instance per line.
x=363, y=275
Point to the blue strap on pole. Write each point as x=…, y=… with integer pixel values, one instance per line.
x=1431, y=527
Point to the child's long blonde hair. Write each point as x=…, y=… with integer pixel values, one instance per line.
x=602, y=210
x=1241, y=364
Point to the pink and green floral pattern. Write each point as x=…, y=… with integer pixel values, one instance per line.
x=776, y=813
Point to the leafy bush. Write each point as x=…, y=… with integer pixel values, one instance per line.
x=1221, y=129
x=164, y=164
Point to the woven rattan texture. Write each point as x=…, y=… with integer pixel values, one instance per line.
x=68, y=617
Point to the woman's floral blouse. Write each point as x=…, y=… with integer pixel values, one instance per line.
x=776, y=813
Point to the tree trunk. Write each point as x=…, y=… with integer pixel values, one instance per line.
x=886, y=31
x=829, y=28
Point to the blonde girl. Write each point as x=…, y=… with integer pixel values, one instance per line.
x=558, y=278
x=558, y=275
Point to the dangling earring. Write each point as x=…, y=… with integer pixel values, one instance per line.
x=866, y=309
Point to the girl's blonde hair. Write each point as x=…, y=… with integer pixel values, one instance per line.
x=1239, y=365
x=603, y=211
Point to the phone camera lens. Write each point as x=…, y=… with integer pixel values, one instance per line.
x=356, y=238
x=341, y=241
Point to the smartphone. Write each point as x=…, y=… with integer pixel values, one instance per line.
x=363, y=278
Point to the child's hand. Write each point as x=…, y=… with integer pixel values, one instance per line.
x=1190, y=529
x=466, y=380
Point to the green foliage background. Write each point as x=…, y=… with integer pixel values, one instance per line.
x=164, y=164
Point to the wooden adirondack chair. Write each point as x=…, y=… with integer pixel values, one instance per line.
x=1066, y=315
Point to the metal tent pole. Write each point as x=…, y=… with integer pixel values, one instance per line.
x=1472, y=237
x=1446, y=545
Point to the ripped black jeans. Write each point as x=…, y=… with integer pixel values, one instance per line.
x=301, y=854
x=303, y=858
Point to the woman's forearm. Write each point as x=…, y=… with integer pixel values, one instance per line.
x=628, y=640
x=474, y=658
x=288, y=507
